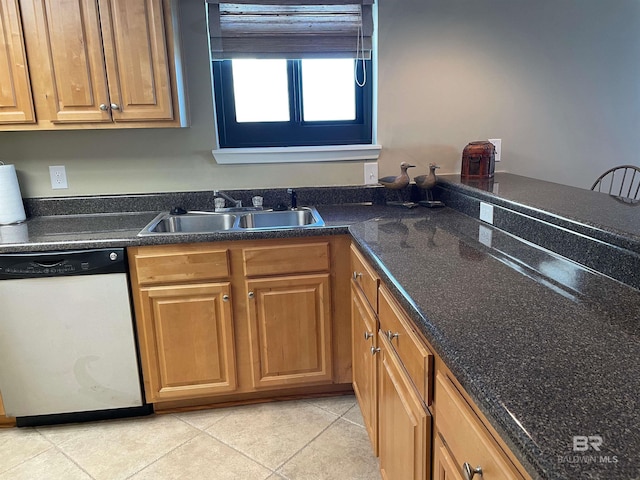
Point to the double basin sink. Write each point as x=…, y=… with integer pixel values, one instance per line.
x=213, y=222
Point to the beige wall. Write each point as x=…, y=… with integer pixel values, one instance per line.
x=556, y=80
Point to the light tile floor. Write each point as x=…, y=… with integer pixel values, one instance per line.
x=315, y=439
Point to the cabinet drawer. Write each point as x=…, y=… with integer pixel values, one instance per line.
x=286, y=259
x=416, y=358
x=155, y=266
x=364, y=277
x=466, y=436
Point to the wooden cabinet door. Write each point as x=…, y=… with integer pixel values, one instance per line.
x=404, y=424
x=135, y=48
x=444, y=467
x=364, y=339
x=290, y=330
x=187, y=341
x=4, y=420
x=16, y=102
x=66, y=44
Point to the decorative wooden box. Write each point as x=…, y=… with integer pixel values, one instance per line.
x=478, y=160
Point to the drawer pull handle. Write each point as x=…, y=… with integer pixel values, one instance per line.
x=470, y=472
x=251, y=295
x=357, y=275
x=391, y=335
x=368, y=335
x=225, y=298
x=374, y=350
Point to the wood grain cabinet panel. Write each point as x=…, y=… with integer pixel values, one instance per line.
x=4, y=420
x=135, y=49
x=365, y=278
x=286, y=259
x=405, y=425
x=103, y=63
x=69, y=59
x=415, y=357
x=187, y=264
x=16, y=102
x=466, y=436
x=444, y=468
x=187, y=332
x=290, y=330
x=365, y=377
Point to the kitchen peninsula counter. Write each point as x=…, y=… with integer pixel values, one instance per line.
x=546, y=348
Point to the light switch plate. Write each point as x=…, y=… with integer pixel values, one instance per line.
x=370, y=173
x=486, y=212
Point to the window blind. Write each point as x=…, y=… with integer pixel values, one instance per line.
x=290, y=28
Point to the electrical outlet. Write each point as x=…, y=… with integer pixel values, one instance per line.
x=497, y=142
x=370, y=173
x=58, y=176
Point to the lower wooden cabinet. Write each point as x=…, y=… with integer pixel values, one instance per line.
x=404, y=422
x=467, y=440
x=187, y=333
x=290, y=330
x=4, y=420
x=365, y=371
x=243, y=320
x=444, y=467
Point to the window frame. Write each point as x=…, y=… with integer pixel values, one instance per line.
x=296, y=132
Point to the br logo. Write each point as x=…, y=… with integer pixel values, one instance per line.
x=583, y=444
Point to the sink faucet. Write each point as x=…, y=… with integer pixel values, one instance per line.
x=294, y=198
x=234, y=202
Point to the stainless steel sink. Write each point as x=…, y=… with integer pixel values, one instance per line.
x=190, y=222
x=300, y=217
x=215, y=222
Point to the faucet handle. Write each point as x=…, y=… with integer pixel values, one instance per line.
x=294, y=198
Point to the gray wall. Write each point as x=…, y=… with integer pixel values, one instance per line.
x=557, y=80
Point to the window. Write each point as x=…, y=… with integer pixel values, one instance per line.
x=292, y=72
x=274, y=102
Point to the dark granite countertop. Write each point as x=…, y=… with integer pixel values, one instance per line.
x=104, y=230
x=595, y=214
x=548, y=349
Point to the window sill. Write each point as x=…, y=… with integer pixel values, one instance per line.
x=329, y=153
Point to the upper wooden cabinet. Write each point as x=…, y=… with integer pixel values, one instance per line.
x=16, y=103
x=102, y=63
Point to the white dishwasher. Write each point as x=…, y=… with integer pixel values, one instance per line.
x=67, y=342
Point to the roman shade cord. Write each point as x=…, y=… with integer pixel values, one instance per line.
x=292, y=29
x=360, y=57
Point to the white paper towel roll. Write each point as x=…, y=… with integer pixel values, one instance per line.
x=11, y=206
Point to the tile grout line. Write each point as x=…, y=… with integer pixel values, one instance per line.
x=307, y=444
x=63, y=453
x=168, y=452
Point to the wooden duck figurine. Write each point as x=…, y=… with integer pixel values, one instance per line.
x=427, y=182
x=398, y=182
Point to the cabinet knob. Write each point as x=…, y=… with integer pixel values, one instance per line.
x=225, y=298
x=115, y=106
x=357, y=275
x=103, y=107
x=468, y=472
x=391, y=335
x=251, y=295
x=368, y=335
x=374, y=350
